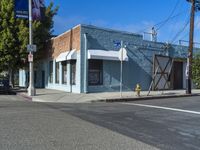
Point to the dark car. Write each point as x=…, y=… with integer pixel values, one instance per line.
x=4, y=85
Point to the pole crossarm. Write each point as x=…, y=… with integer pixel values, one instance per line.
x=196, y=4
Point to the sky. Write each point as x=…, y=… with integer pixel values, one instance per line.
x=169, y=17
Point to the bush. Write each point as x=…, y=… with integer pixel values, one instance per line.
x=196, y=70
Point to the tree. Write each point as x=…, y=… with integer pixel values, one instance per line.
x=196, y=70
x=14, y=36
x=43, y=30
x=8, y=36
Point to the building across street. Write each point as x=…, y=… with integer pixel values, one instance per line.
x=86, y=59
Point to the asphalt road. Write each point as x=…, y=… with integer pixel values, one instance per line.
x=168, y=124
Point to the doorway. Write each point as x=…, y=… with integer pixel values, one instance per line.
x=43, y=79
x=178, y=75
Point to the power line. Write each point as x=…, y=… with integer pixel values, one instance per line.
x=183, y=29
x=187, y=34
x=180, y=31
x=168, y=18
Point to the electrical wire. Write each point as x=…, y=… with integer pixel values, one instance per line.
x=184, y=36
x=174, y=23
x=169, y=17
x=159, y=25
x=180, y=31
x=187, y=33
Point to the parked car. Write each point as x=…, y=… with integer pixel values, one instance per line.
x=4, y=85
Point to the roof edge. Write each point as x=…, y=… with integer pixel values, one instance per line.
x=111, y=30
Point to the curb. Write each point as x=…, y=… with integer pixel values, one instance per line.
x=111, y=100
x=143, y=98
x=28, y=98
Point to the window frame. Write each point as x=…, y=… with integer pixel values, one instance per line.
x=57, y=72
x=73, y=72
x=51, y=71
x=95, y=67
x=64, y=72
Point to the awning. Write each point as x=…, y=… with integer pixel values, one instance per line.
x=104, y=55
x=69, y=55
x=72, y=55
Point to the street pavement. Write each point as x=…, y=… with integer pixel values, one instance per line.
x=167, y=124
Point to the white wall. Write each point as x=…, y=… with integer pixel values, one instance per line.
x=22, y=78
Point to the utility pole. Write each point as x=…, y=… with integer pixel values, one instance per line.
x=190, y=50
x=31, y=88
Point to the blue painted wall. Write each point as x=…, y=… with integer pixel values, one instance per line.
x=140, y=52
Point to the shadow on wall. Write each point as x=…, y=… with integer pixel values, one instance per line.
x=94, y=43
x=135, y=74
x=146, y=57
x=137, y=70
x=132, y=74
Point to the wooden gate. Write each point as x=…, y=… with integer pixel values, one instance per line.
x=162, y=67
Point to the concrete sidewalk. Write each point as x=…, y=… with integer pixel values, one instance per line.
x=47, y=95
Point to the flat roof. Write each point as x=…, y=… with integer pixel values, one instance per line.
x=100, y=28
x=111, y=30
x=66, y=32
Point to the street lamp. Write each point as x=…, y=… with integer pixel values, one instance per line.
x=31, y=88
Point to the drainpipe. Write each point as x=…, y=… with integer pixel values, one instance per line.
x=86, y=64
x=71, y=34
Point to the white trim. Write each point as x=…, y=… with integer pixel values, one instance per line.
x=72, y=55
x=66, y=32
x=68, y=55
x=62, y=56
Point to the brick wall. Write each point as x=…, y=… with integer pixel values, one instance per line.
x=67, y=41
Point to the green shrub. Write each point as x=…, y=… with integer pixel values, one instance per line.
x=196, y=70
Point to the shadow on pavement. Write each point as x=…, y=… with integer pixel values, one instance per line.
x=13, y=91
x=129, y=122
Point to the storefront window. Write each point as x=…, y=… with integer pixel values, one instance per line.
x=51, y=72
x=95, y=72
x=57, y=72
x=64, y=72
x=73, y=72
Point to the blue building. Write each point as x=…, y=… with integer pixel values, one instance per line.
x=86, y=59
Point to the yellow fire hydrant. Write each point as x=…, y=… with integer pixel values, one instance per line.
x=138, y=89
